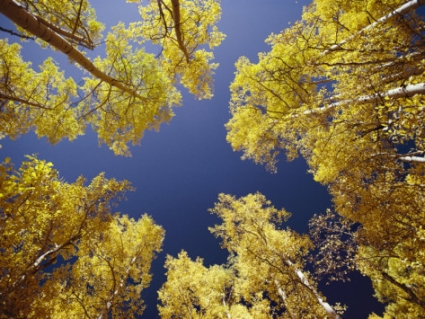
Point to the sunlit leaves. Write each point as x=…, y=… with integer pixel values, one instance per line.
x=74, y=20
x=127, y=90
x=183, y=29
x=63, y=253
x=121, y=117
x=324, y=66
x=193, y=290
x=111, y=271
x=268, y=258
x=343, y=87
x=35, y=100
x=264, y=276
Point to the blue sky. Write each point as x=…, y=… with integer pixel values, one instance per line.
x=179, y=171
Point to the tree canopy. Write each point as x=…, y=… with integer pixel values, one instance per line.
x=344, y=87
x=126, y=90
x=265, y=276
x=64, y=253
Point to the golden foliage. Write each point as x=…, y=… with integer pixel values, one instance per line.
x=127, y=90
x=345, y=88
x=64, y=254
x=264, y=278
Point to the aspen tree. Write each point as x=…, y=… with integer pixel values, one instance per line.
x=126, y=90
x=264, y=277
x=64, y=254
x=344, y=87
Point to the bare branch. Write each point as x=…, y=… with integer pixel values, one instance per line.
x=16, y=34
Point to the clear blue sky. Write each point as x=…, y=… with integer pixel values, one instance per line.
x=179, y=172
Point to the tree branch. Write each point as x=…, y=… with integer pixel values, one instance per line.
x=16, y=34
x=177, y=24
x=32, y=24
x=400, y=92
x=19, y=100
x=405, y=8
x=403, y=287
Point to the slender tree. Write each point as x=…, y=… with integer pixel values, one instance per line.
x=344, y=87
x=64, y=254
x=375, y=72
x=264, y=278
x=127, y=91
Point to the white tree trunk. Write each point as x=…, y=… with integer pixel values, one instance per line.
x=415, y=159
x=328, y=308
x=110, y=302
x=282, y=295
x=408, y=91
x=405, y=8
x=400, y=92
x=225, y=305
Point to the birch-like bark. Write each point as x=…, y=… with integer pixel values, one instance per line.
x=408, y=91
x=328, y=308
x=36, y=266
x=225, y=305
x=400, y=92
x=282, y=295
x=35, y=26
x=405, y=8
x=415, y=159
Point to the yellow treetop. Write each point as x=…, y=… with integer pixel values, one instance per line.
x=127, y=90
x=264, y=276
x=344, y=87
x=64, y=254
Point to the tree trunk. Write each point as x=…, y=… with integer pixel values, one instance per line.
x=405, y=8
x=400, y=92
x=282, y=295
x=328, y=308
x=116, y=290
x=415, y=159
x=35, y=26
x=177, y=23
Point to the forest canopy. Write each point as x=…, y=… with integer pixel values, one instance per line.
x=125, y=90
x=343, y=88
